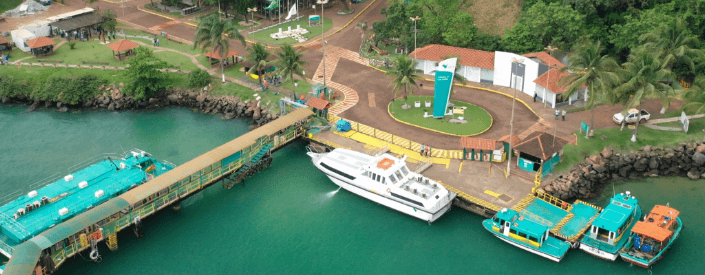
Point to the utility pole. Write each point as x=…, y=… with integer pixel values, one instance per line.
x=550, y=53
x=515, y=67
x=323, y=40
x=415, y=31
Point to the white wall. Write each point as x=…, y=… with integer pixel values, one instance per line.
x=20, y=42
x=503, y=71
x=470, y=73
x=38, y=31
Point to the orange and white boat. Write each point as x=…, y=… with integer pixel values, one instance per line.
x=652, y=237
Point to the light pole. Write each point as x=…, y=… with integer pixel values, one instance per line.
x=515, y=67
x=550, y=53
x=323, y=40
x=415, y=31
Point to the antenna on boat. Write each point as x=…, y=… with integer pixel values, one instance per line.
x=116, y=167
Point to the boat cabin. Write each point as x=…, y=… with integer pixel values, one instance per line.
x=656, y=230
x=521, y=229
x=389, y=170
x=615, y=219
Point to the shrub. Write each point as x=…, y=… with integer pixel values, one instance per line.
x=199, y=78
x=70, y=90
x=72, y=45
x=10, y=87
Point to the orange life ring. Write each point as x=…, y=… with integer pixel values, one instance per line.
x=97, y=235
x=565, y=205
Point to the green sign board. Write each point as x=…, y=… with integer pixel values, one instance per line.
x=444, y=81
x=584, y=126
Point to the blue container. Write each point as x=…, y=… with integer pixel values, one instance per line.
x=343, y=126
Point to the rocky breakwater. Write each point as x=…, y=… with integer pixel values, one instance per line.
x=111, y=98
x=587, y=178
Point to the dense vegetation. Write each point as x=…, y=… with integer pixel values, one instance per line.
x=67, y=89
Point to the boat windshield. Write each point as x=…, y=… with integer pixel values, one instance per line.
x=394, y=179
x=404, y=170
x=399, y=175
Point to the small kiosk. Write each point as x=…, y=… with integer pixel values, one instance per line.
x=481, y=149
x=225, y=59
x=122, y=45
x=5, y=44
x=41, y=46
x=320, y=106
x=319, y=89
x=539, y=149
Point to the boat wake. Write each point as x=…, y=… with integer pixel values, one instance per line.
x=332, y=193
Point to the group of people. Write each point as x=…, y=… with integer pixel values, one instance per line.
x=155, y=41
x=425, y=150
x=558, y=112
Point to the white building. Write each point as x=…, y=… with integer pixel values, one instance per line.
x=38, y=28
x=21, y=36
x=529, y=74
x=475, y=65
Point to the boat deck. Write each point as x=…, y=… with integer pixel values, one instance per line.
x=545, y=210
x=583, y=215
x=554, y=246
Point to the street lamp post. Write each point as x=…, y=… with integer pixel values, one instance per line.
x=415, y=31
x=323, y=40
x=511, y=122
x=252, y=10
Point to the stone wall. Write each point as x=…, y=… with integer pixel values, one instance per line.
x=587, y=178
x=111, y=98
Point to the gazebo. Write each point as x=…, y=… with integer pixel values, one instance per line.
x=216, y=55
x=5, y=44
x=538, y=150
x=122, y=45
x=41, y=46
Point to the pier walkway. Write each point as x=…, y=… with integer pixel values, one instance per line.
x=229, y=163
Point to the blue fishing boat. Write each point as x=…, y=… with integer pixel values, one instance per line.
x=509, y=226
x=652, y=237
x=81, y=189
x=612, y=228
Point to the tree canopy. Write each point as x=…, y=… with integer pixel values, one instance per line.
x=144, y=70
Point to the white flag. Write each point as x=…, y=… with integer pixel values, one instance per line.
x=292, y=11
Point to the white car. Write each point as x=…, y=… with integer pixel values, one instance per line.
x=631, y=117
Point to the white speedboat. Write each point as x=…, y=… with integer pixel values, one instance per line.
x=386, y=180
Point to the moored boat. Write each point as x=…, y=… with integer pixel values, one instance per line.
x=612, y=228
x=652, y=237
x=508, y=225
x=386, y=180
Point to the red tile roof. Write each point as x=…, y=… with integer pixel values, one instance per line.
x=122, y=45
x=40, y=42
x=546, y=58
x=318, y=103
x=468, y=57
x=216, y=55
x=515, y=140
x=541, y=145
x=555, y=75
x=4, y=40
x=478, y=143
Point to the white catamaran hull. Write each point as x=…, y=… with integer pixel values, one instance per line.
x=547, y=256
x=598, y=253
x=375, y=196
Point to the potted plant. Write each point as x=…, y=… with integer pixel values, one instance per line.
x=417, y=104
x=428, y=103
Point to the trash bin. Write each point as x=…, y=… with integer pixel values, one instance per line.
x=343, y=126
x=163, y=33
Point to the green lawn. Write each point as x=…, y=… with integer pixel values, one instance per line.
x=177, y=59
x=163, y=42
x=573, y=154
x=16, y=53
x=6, y=5
x=478, y=119
x=268, y=100
x=236, y=23
x=263, y=36
x=83, y=51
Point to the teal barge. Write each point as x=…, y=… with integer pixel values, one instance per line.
x=652, y=237
x=508, y=225
x=41, y=209
x=612, y=228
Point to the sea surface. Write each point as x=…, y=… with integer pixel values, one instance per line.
x=291, y=219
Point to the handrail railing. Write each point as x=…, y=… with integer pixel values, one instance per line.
x=535, y=218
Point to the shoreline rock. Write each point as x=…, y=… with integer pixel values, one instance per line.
x=587, y=178
x=228, y=107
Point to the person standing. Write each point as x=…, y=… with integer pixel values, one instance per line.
x=563, y=114
x=423, y=147
x=557, y=113
x=535, y=95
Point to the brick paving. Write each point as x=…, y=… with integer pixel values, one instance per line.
x=333, y=56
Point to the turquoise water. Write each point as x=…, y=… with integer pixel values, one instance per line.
x=289, y=219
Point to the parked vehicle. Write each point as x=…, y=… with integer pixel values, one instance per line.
x=631, y=117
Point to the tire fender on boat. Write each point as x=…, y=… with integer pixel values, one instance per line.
x=389, y=190
x=94, y=255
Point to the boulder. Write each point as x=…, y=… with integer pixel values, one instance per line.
x=700, y=148
x=646, y=149
x=63, y=109
x=229, y=116
x=87, y=103
x=111, y=107
x=201, y=98
x=106, y=100
x=153, y=101
x=5, y=99
x=48, y=103
x=31, y=108
x=59, y=104
x=698, y=158
x=607, y=152
x=693, y=174
x=172, y=98
x=653, y=164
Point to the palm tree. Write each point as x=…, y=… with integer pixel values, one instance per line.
x=591, y=69
x=289, y=63
x=212, y=33
x=644, y=75
x=672, y=43
x=109, y=21
x=695, y=96
x=404, y=74
x=258, y=55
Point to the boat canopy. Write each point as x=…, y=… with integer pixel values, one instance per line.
x=616, y=213
x=522, y=224
x=657, y=223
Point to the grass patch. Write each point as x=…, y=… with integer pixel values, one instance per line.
x=236, y=23
x=16, y=53
x=679, y=125
x=38, y=74
x=573, y=154
x=495, y=16
x=478, y=119
x=233, y=89
x=177, y=59
x=263, y=36
x=6, y=5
